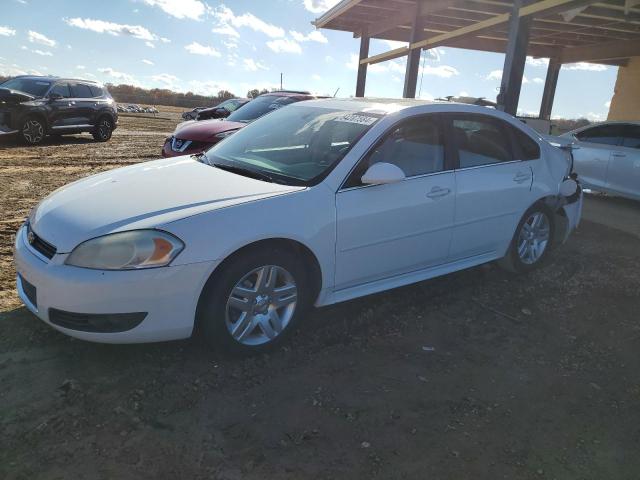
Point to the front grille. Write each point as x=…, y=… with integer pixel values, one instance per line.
x=41, y=246
x=96, y=322
x=29, y=291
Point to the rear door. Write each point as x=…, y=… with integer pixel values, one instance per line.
x=84, y=103
x=493, y=184
x=624, y=166
x=591, y=160
x=387, y=230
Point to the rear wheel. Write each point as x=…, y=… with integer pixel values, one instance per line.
x=253, y=303
x=33, y=131
x=103, y=130
x=532, y=240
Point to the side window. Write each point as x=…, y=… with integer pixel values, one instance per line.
x=631, y=136
x=95, y=91
x=416, y=146
x=80, y=90
x=480, y=141
x=527, y=148
x=61, y=89
x=603, y=134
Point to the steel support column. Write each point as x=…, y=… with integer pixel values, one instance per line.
x=362, y=67
x=413, y=59
x=553, y=70
x=514, y=60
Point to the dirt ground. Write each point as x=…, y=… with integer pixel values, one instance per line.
x=478, y=374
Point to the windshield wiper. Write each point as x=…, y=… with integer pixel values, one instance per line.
x=245, y=172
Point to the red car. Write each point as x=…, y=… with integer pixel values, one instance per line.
x=195, y=137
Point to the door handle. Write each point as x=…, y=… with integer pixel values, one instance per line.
x=437, y=192
x=521, y=177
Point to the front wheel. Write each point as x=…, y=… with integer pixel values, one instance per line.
x=253, y=303
x=103, y=130
x=33, y=131
x=531, y=242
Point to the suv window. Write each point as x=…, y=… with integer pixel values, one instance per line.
x=61, y=89
x=480, y=141
x=96, y=91
x=603, y=134
x=416, y=146
x=80, y=90
x=631, y=136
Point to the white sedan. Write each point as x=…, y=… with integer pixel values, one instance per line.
x=607, y=157
x=320, y=202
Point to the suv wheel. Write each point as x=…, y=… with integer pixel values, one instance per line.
x=103, y=130
x=32, y=131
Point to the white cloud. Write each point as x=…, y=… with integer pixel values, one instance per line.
x=314, y=36
x=14, y=70
x=7, y=32
x=607, y=104
x=316, y=77
x=193, y=9
x=226, y=29
x=284, y=45
x=390, y=66
x=463, y=94
x=101, y=26
x=328, y=59
x=150, y=44
x=39, y=38
x=42, y=53
x=148, y=62
x=426, y=96
x=124, y=77
x=592, y=67
x=442, y=71
x=392, y=44
x=537, y=62
x=594, y=117
x=225, y=17
x=538, y=80
x=208, y=87
x=165, y=78
x=165, y=40
x=230, y=43
x=252, y=66
x=80, y=67
x=319, y=6
x=198, y=49
x=494, y=75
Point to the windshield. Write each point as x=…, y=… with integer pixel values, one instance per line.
x=32, y=86
x=258, y=107
x=295, y=145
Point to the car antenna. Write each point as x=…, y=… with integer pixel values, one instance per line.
x=336, y=92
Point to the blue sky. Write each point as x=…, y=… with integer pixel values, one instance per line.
x=204, y=46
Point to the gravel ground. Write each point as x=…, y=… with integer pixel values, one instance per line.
x=478, y=374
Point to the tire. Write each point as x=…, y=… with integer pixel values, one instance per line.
x=531, y=241
x=103, y=129
x=33, y=131
x=237, y=305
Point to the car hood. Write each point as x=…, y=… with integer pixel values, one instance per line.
x=14, y=96
x=205, y=130
x=145, y=195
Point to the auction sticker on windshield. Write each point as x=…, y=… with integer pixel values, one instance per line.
x=356, y=118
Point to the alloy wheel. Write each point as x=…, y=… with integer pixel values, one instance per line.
x=261, y=305
x=32, y=131
x=534, y=238
x=104, y=128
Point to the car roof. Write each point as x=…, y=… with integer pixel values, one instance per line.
x=284, y=93
x=379, y=105
x=56, y=79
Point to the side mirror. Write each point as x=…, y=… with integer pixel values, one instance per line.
x=54, y=96
x=382, y=173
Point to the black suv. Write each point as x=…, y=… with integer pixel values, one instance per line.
x=34, y=107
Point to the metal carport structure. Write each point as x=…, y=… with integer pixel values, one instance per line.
x=564, y=31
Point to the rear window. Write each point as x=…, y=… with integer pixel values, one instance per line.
x=96, y=91
x=80, y=90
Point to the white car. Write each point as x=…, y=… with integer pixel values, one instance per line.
x=608, y=157
x=319, y=202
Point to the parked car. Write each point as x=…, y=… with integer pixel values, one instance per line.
x=317, y=203
x=608, y=157
x=195, y=137
x=192, y=114
x=33, y=107
x=222, y=110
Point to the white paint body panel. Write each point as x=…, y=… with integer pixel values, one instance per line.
x=366, y=239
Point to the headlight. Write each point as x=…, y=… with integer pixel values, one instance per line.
x=224, y=134
x=127, y=251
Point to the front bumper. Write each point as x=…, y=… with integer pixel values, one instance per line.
x=167, y=295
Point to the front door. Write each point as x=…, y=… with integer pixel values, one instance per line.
x=84, y=103
x=624, y=166
x=387, y=230
x=63, y=110
x=593, y=156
